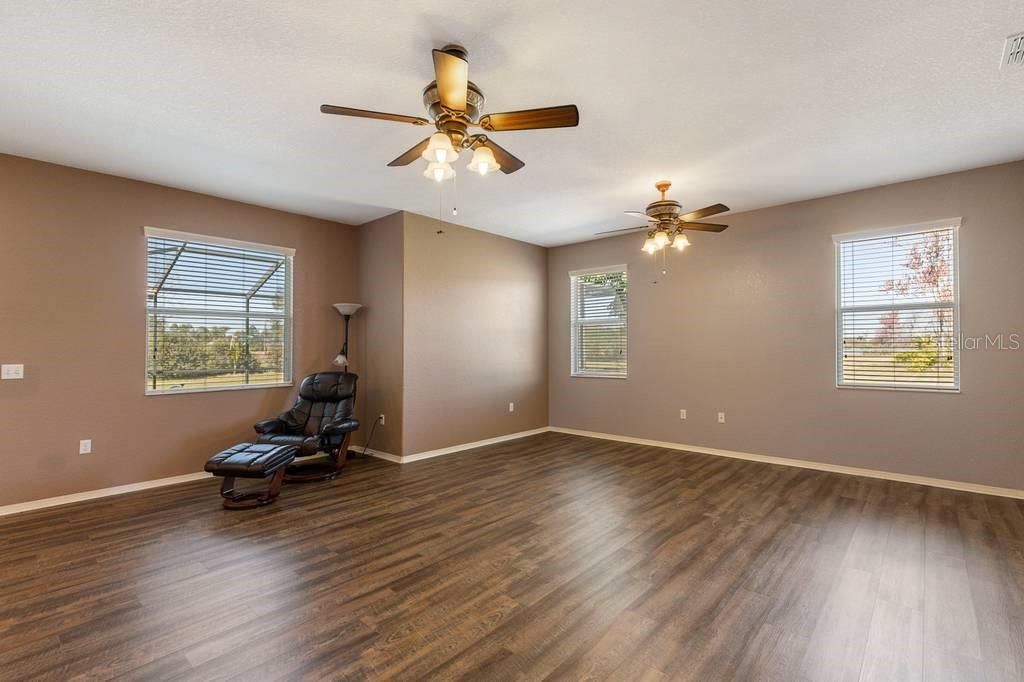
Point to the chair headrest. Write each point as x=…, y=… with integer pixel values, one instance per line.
x=328, y=386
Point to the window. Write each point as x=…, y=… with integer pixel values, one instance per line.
x=218, y=313
x=898, y=317
x=599, y=301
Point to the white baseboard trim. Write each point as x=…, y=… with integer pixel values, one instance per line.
x=469, y=446
x=805, y=464
x=734, y=454
x=102, y=492
x=427, y=454
x=380, y=454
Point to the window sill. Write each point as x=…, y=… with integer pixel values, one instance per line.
x=903, y=389
x=218, y=389
x=590, y=375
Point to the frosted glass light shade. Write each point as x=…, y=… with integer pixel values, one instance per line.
x=680, y=242
x=440, y=149
x=438, y=171
x=347, y=308
x=650, y=246
x=661, y=238
x=483, y=161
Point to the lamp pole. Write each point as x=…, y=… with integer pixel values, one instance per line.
x=344, y=347
x=346, y=310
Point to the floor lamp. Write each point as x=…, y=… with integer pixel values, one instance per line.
x=346, y=310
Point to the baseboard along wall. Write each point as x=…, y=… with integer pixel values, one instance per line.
x=767, y=459
x=804, y=464
x=102, y=492
x=427, y=454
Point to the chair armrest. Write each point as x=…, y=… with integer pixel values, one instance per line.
x=341, y=426
x=269, y=426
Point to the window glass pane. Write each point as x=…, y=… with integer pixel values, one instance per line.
x=899, y=347
x=908, y=268
x=897, y=316
x=599, y=336
x=602, y=349
x=217, y=316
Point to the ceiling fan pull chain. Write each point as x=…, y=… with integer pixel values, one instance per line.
x=455, y=195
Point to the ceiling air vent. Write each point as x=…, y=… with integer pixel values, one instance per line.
x=1013, y=51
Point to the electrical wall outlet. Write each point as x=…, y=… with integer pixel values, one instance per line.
x=682, y=414
x=721, y=417
x=85, y=447
x=511, y=407
x=12, y=371
x=380, y=419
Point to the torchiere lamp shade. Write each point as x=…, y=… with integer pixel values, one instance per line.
x=347, y=308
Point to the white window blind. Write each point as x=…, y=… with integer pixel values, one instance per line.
x=897, y=317
x=219, y=313
x=599, y=301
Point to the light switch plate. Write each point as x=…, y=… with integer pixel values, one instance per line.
x=85, y=447
x=12, y=371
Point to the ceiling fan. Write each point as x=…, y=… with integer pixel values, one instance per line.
x=454, y=104
x=667, y=221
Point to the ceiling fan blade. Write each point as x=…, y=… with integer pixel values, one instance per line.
x=703, y=227
x=626, y=229
x=566, y=116
x=452, y=74
x=411, y=155
x=641, y=214
x=508, y=163
x=363, y=113
x=705, y=212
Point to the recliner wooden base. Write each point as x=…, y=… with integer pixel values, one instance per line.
x=321, y=470
x=236, y=499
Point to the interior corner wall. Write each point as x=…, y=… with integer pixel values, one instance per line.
x=380, y=335
x=744, y=323
x=475, y=332
x=72, y=310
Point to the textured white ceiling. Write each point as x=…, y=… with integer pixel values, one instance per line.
x=747, y=103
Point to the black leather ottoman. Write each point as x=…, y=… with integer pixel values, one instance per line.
x=251, y=460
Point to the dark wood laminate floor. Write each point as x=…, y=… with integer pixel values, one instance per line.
x=551, y=557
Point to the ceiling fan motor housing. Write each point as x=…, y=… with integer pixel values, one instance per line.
x=665, y=210
x=474, y=102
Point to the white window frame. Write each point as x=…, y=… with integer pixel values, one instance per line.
x=932, y=225
x=288, y=315
x=574, y=323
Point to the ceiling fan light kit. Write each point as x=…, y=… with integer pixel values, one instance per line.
x=454, y=104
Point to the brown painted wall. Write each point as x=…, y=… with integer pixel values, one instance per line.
x=380, y=290
x=475, y=335
x=745, y=323
x=458, y=325
x=72, y=309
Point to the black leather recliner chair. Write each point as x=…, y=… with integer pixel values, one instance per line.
x=320, y=422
